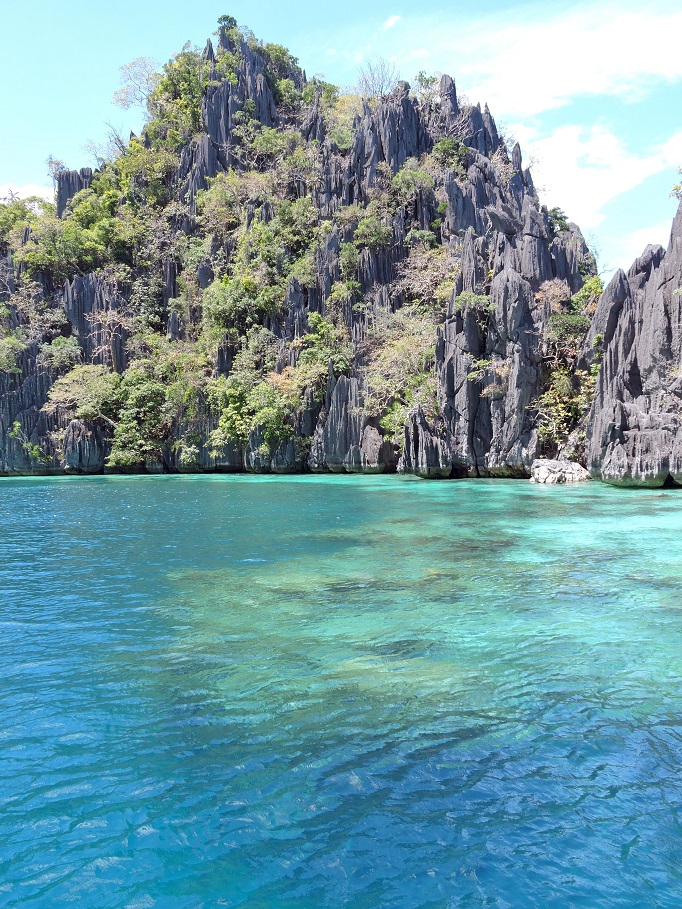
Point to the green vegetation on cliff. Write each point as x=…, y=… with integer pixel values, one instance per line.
x=200, y=293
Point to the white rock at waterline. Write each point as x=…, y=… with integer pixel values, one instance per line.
x=543, y=470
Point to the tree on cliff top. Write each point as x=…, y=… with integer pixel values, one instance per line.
x=377, y=78
x=139, y=80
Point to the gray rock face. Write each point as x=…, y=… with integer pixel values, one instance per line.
x=22, y=395
x=83, y=448
x=95, y=308
x=635, y=425
x=344, y=439
x=213, y=151
x=424, y=454
x=91, y=305
x=70, y=182
x=489, y=362
x=543, y=470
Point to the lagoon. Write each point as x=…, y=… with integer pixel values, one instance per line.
x=328, y=691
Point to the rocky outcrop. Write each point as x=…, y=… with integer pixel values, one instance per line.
x=552, y=473
x=213, y=151
x=96, y=308
x=489, y=360
x=70, y=182
x=34, y=439
x=345, y=439
x=83, y=448
x=491, y=347
x=28, y=435
x=424, y=454
x=635, y=424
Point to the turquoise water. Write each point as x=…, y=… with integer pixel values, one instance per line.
x=339, y=692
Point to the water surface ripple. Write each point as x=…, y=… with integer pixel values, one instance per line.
x=339, y=692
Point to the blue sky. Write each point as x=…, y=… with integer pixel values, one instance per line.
x=592, y=90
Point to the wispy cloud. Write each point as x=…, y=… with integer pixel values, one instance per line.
x=26, y=190
x=634, y=243
x=523, y=63
x=582, y=169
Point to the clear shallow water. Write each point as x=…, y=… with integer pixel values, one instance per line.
x=339, y=692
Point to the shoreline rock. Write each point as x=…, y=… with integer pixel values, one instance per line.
x=551, y=473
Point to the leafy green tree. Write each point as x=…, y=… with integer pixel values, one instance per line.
x=371, y=233
x=564, y=403
x=11, y=348
x=17, y=214
x=139, y=80
x=282, y=72
x=558, y=221
x=237, y=303
x=450, y=152
x=425, y=87
x=588, y=296
x=176, y=100
x=90, y=393
x=325, y=343
x=279, y=61
x=254, y=396
x=144, y=422
x=400, y=373
x=61, y=353
x=61, y=249
x=145, y=174
x=227, y=22
x=409, y=181
x=469, y=300
x=348, y=261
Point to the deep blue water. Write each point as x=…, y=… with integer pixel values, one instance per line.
x=354, y=692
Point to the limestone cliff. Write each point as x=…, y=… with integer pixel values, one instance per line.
x=635, y=426
x=513, y=271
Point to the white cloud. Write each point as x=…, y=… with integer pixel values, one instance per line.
x=390, y=22
x=523, y=63
x=26, y=190
x=634, y=243
x=582, y=169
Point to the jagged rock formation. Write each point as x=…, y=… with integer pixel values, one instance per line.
x=490, y=362
x=212, y=152
x=344, y=439
x=83, y=448
x=486, y=429
x=70, y=182
x=635, y=425
x=91, y=304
